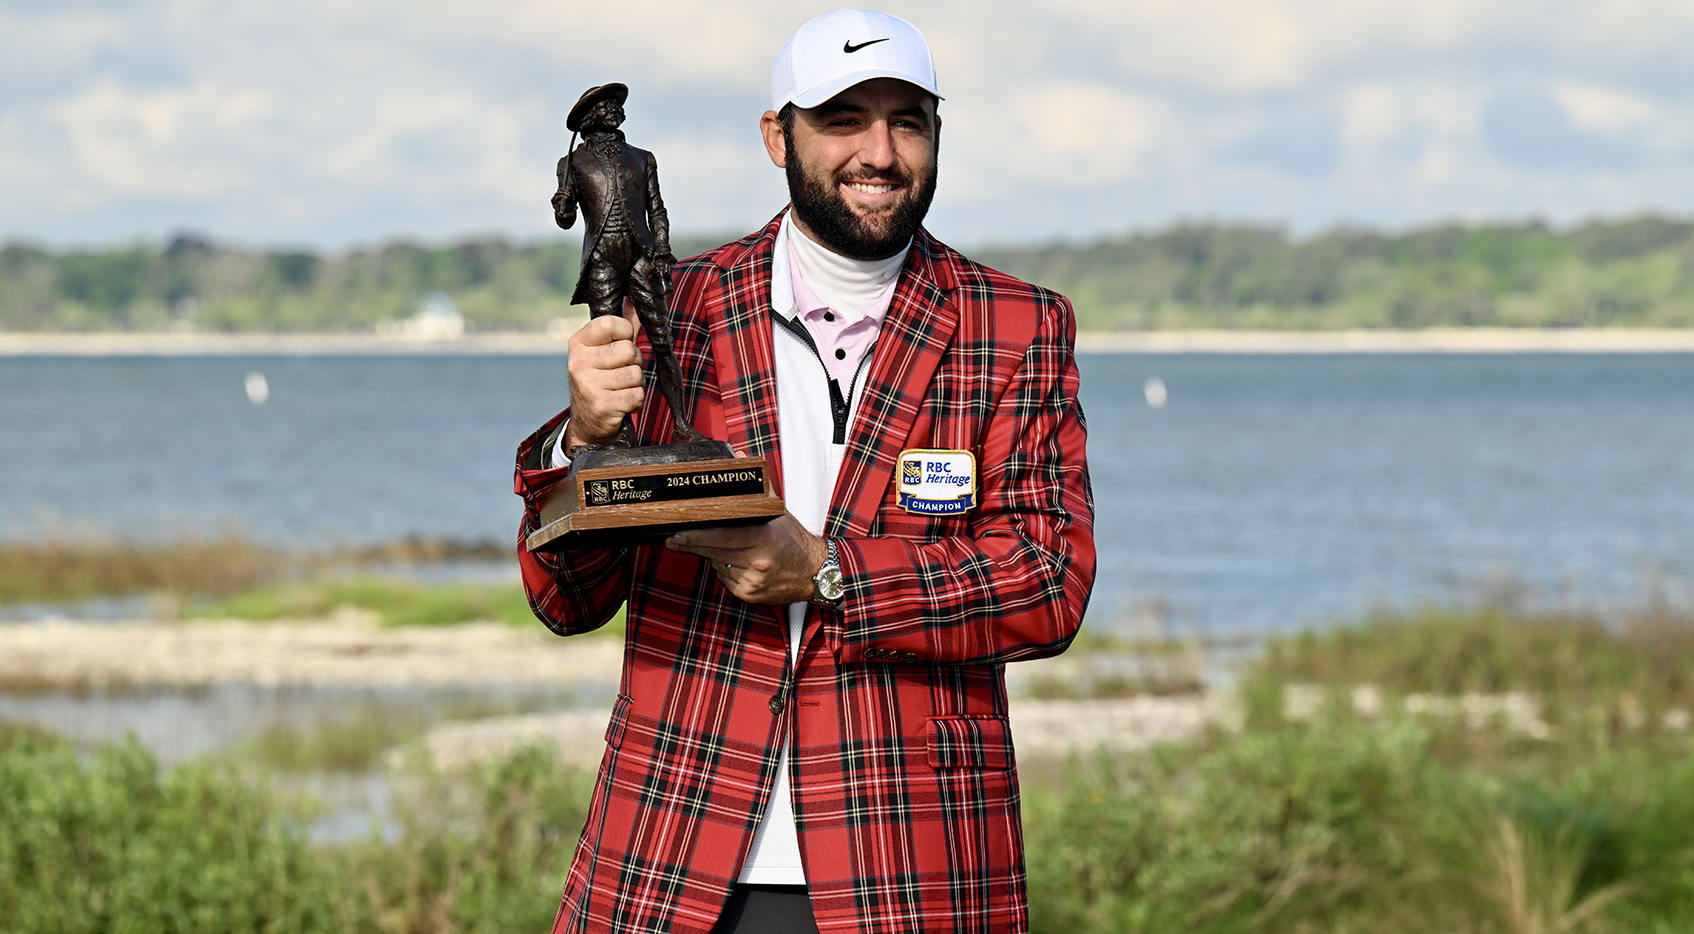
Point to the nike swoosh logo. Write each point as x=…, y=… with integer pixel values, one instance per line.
x=850, y=48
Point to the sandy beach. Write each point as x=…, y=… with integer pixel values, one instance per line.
x=1431, y=340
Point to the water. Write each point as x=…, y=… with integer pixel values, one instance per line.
x=1268, y=492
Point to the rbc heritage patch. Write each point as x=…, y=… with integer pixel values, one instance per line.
x=937, y=483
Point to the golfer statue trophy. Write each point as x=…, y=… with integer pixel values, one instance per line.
x=620, y=491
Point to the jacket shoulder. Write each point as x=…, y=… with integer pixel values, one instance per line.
x=716, y=260
x=998, y=298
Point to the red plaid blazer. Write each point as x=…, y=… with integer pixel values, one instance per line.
x=904, y=782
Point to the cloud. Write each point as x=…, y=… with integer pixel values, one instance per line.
x=1529, y=130
x=1303, y=142
x=328, y=122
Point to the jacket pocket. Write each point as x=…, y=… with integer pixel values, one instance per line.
x=983, y=742
x=620, y=716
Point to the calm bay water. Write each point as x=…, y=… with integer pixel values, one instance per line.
x=1271, y=491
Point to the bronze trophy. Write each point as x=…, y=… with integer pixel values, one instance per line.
x=621, y=492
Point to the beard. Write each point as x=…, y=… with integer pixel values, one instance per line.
x=819, y=205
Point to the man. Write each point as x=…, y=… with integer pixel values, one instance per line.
x=811, y=732
x=626, y=237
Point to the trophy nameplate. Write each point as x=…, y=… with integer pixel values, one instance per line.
x=625, y=503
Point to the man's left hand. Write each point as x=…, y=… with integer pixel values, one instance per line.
x=772, y=563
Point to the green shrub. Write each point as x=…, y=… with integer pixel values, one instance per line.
x=119, y=846
x=483, y=852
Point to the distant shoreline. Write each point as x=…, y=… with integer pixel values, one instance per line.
x=1431, y=340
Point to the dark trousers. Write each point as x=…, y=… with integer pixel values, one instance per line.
x=767, y=909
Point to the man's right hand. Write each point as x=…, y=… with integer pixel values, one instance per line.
x=605, y=374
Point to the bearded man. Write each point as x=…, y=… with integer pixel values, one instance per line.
x=811, y=731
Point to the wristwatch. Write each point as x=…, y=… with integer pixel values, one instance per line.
x=826, y=584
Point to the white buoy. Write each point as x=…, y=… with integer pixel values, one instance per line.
x=1155, y=392
x=258, y=388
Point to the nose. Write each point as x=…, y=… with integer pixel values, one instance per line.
x=876, y=146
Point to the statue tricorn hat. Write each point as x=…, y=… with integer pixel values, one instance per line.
x=615, y=91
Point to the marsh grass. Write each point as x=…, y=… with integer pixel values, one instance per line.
x=233, y=578
x=1154, y=683
x=59, y=571
x=74, y=569
x=395, y=603
x=364, y=739
x=346, y=746
x=14, y=733
x=1533, y=881
x=1628, y=671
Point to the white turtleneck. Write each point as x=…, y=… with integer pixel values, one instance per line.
x=851, y=286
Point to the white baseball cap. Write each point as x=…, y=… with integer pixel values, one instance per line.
x=830, y=53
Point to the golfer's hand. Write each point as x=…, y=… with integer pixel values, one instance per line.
x=605, y=374
x=770, y=563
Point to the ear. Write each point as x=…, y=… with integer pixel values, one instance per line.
x=771, y=129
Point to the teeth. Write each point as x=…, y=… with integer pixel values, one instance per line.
x=869, y=188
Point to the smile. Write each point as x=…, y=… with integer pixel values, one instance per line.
x=870, y=188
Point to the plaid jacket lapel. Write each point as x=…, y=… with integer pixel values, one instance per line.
x=916, y=332
x=738, y=318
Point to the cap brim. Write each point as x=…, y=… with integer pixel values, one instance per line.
x=812, y=97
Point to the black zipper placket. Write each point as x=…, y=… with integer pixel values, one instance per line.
x=839, y=407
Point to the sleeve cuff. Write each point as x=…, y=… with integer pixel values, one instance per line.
x=556, y=454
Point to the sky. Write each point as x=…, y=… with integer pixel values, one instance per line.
x=329, y=123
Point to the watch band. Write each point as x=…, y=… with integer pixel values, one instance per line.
x=826, y=584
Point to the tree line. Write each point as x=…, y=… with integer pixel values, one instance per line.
x=1629, y=272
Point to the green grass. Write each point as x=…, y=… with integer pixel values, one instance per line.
x=397, y=603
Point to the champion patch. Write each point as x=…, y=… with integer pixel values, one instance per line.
x=937, y=483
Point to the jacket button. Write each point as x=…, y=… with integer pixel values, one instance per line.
x=776, y=703
x=911, y=656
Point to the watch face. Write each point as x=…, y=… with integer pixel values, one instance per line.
x=829, y=583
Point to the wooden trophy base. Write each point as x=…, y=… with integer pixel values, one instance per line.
x=630, y=495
